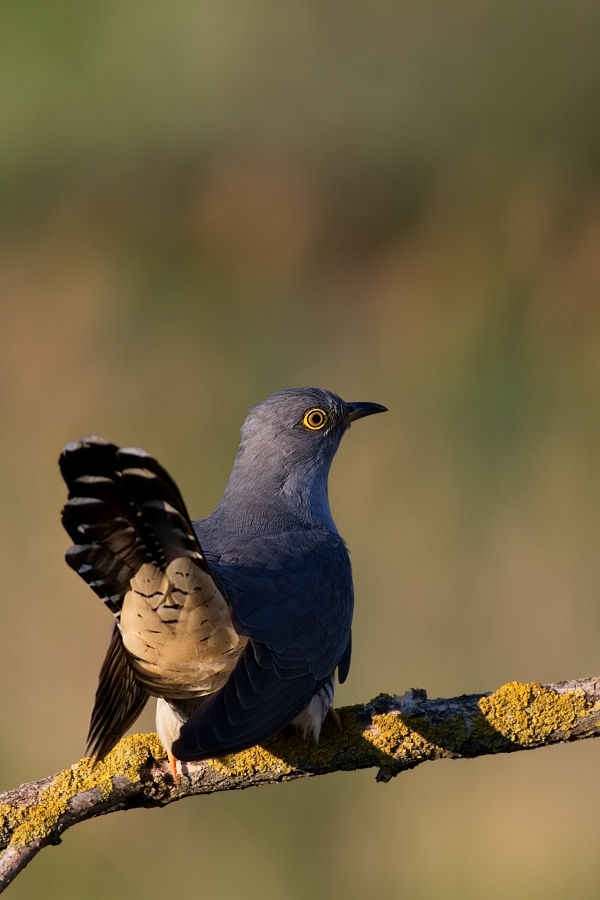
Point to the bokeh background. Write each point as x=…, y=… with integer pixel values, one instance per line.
x=203, y=202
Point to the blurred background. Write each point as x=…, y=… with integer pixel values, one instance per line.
x=202, y=203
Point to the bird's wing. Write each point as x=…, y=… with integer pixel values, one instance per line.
x=292, y=592
x=344, y=663
x=262, y=696
x=135, y=546
x=297, y=617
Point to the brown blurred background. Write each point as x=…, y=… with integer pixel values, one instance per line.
x=204, y=202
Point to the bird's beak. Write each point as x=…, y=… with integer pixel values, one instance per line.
x=359, y=410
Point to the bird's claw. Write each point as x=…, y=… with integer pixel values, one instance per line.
x=332, y=714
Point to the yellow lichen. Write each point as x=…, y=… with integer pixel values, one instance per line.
x=450, y=734
x=128, y=757
x=392, y=737
x=288, y=752
x=249, y=762
x=527, y=714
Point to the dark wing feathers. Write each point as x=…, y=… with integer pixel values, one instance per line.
x=259, y=699
x=344, y=663
x=299, y=632
x=120, y=698
x=309, y=612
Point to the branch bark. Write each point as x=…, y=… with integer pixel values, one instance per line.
x=389, y=733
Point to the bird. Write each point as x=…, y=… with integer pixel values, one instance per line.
x=236, y=623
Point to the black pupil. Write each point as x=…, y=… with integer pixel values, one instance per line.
x=315, y=419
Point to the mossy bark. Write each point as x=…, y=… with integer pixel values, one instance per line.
x=389, y=733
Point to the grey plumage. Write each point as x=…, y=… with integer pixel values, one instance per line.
x=268, y=564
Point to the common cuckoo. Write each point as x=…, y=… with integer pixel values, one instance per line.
x=236, y=623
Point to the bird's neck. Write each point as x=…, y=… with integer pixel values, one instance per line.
x=275, y=498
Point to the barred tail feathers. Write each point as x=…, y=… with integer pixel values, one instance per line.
x=135, y=546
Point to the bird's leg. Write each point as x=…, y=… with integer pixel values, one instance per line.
x=174, y=765
x=331, y=714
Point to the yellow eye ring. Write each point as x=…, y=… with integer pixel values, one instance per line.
x=315, y=419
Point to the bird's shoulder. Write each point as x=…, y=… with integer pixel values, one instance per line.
x=267, y=553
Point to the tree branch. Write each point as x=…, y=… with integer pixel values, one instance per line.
x=389, y=733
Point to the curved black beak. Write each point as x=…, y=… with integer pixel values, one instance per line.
x=360, y=410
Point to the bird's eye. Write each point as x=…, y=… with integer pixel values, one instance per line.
x=315, y=419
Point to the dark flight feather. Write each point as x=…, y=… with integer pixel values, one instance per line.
x=120, y=698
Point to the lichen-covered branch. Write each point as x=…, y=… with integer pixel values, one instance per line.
x=389, y=733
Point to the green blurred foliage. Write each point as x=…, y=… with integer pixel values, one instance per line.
x=202, y=203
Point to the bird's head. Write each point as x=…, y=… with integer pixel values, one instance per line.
x=287, y=446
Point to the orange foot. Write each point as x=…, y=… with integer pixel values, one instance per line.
x=331, y=714
x=174, y=765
